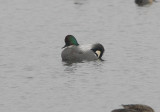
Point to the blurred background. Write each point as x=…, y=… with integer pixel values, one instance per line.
x=33, y=77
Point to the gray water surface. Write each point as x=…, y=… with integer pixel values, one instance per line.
x=34, y=79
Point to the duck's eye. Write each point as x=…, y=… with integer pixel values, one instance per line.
x=98, y=53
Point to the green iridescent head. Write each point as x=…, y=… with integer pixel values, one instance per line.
x=70, y=40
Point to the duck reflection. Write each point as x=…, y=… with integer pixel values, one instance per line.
x=80, y=2
x=143, y=2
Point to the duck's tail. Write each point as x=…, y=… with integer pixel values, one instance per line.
x=98, y=49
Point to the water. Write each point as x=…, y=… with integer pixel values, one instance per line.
x=34, y=79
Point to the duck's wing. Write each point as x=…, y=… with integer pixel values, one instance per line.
x=139, y=107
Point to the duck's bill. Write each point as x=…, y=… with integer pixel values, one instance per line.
x=64, y=46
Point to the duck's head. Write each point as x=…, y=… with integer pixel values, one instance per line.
x=70, y=40
x=98, y=49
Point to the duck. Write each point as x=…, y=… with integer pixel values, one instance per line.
x=134, y=108
x=143, y=2
x=74, y=52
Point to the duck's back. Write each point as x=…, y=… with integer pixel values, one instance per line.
x=124, y=110
x=139, y=107
x=78, y=53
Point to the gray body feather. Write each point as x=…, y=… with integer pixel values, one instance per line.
x=134, y=108
x=78, y=53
